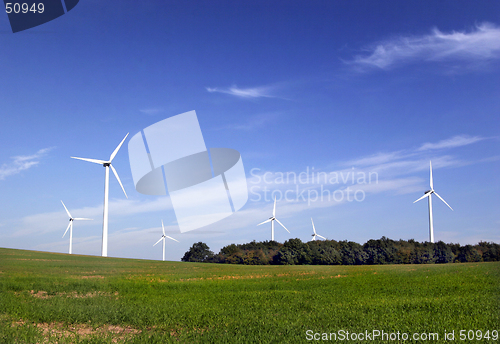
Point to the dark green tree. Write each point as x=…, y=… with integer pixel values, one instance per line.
x=455, y=248
x=469, y=254
x=253, y=253
x=352, y=253
x=382, y=251
x=443, y=253
x=489, y=251
x=405, y=251
x=324, y=252
x=424, y=253
x=199, y=252
x=293, y=252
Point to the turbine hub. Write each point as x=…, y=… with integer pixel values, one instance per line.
x=106, y=164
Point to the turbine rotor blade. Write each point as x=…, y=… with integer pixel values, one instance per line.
x=158, y=241
x=66, y=229
x=118, y=178
x=314, y=229
x=432, y=183
x=166, y=236
x=321, y=236
x=264, y=222
x=112, y=156
x=163, y=228
x=81, y=218
x=426, y=195
x=435, y=193
x=274, y=209
x=96, y=161
x=282, y=225
x=67, y=211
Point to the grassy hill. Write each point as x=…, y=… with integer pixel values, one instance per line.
x=60, y=298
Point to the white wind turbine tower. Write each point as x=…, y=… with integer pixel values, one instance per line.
x=428, y=194
x=272, y=219
x=163, y=238
x=315, y=234
x=107, y=165
x=70, y=227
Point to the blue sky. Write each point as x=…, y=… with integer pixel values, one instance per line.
x=295, y=86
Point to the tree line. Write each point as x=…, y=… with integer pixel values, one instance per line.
x=331, y=252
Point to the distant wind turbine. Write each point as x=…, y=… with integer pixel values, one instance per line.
x=163, y=238
x=315, y=234
x=107, y=165
x=70, y=227
x=428, y=194
x=272, y=219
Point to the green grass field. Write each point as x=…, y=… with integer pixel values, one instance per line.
x=58, y=298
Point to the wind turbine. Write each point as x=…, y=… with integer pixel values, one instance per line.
x=428, y=194
x=70, y=227
x=107, y=165
x=315, y=234
x=272, y=219
x=163, y=238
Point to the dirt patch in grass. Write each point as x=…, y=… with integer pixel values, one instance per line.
x=75, y=295
x=92, y=276
x=225, y=277
x=44, y=295
x=119, y=333
x=40, y=294
x=40, y=260
x=49, y=330
x=239, y=277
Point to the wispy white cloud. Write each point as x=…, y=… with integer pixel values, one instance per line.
x=48, y=222
x=21, y=163
x=478, y=45
x=376, y=159
x=398, y=173
x=373, y=174
x=256, y=92
x=455, y=141
x=151, y=111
